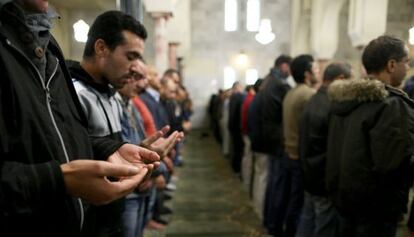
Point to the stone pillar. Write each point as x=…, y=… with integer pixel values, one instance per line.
x=325, y=28
x=132, y=7
x=300, y=27
x=161, y=11
x=172, y=54
x=160, y=41
x=180, y=68
x=367, y=20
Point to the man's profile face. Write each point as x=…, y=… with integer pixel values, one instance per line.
x=169, y=90
x=400, y=72
x=175, y=77
x=313, y=75
x=284, y=69
x=122, y=63
x=141, y=80
x=153, y=78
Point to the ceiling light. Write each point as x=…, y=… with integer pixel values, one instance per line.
x=242, y=60
x=265, y=34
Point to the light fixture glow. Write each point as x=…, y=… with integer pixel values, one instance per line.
x=253, y=15
x=411, y=36
x=251, y=76
x=265, y=34
x=242, y=60
x=229, y=77
x=230, y=15
x=81, y=29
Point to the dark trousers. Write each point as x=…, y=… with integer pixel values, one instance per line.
x=276, y=196
x=284, y=196
x=366, y=228
x=104, y=221
x=296, y=197
x=237, y=150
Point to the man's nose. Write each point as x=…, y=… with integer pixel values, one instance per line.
x=134, y=69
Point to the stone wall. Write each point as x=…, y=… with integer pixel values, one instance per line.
x=399, y=20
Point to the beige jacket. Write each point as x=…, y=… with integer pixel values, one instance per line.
x=293, y=105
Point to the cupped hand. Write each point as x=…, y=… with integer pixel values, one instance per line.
x=88, y=179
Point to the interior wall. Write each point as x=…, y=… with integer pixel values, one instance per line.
x=399, y=20
x=346, y=52
x=212, y=48
x=71, y=13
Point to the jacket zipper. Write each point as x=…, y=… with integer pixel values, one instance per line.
x=48, y=100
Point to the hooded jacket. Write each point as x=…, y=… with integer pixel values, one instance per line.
x=99, y=104
x=41, y=127
x=370, y=144
x=103, y=112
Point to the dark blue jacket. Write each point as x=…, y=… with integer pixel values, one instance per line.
x=158, y=111
x=255, y=126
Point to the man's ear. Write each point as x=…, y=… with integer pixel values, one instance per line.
x=101, y=48
x=391, y=64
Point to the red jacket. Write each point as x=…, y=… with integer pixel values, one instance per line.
x=147, y=118
x=245, y=111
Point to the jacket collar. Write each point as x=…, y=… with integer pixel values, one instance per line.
x=78, y=73
x=154, y=94
x=361, y=90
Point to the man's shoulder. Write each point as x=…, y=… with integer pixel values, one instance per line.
x=397, y=94
x=147, y=98
x=276, y=86
x=80, y=87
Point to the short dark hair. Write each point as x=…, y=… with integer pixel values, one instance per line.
x=300, y=65
x=109, y=26
x=249, y=87
x=282, y=59
x=380, y=50
x=258, y=84
x=334, y=70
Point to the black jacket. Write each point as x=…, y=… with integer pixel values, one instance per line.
x=41, y=127
x=103, y=112
x=369, y=149
x=175, y=115
x=273, y=92
x=254, y=124
x=234, y=122
x=313, y=141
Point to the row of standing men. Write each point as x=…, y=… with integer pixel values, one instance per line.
x=330, y=159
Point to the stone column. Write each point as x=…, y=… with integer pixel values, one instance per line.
x=325, y=28
x=172, y=54
x=160, y=41
x=300, y=27
x=367, y=20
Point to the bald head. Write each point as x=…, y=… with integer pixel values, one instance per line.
x=168, y=89
x=153, y=77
